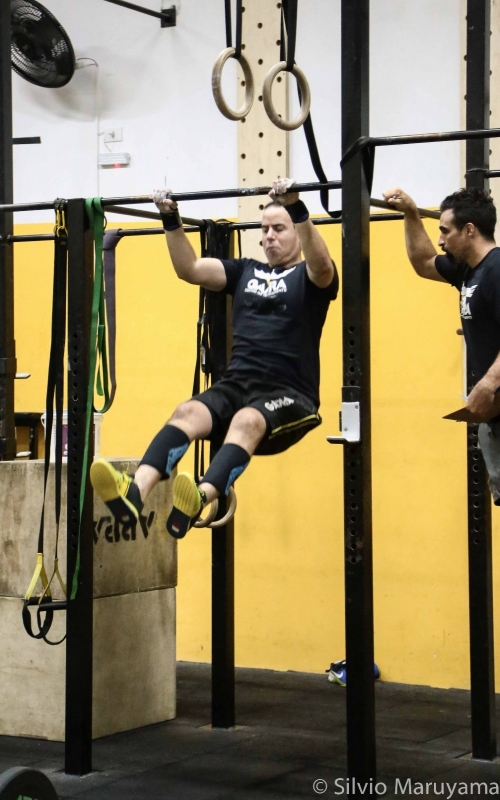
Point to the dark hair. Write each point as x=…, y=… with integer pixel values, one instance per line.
x=472, y=205
x=273, y=203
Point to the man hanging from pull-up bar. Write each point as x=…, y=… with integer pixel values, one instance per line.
x=268, y=398
x=472, y=265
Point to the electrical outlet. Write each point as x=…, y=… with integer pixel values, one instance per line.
x=113, y=135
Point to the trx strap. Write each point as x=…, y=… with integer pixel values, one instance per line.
x=55, y=388
x=98, y=358
x=288, y=39
x=111, y=240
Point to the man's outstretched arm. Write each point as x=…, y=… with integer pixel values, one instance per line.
x=319, y=264
x=206, y=272
x=421, y=251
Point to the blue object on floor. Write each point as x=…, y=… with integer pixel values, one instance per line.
x=338, y=672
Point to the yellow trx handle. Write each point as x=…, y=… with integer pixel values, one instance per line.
x=39, y=573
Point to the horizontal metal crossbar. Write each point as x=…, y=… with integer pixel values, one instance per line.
x=182, y=197
x=235, y=226
x=417, y=138
x=140, y=9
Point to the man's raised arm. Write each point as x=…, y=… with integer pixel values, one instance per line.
x=320, y=267
x=206, y=272
x=421, y=251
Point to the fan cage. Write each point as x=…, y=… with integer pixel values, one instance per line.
x=41, y=51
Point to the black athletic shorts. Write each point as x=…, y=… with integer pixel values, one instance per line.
x=289, y=415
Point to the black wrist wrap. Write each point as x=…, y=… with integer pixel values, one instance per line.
x=171, y=221
x=298, y=211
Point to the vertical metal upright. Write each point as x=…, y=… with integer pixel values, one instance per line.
x=7, y=343
x=482, y=663
x=79, y=619
x=356, y=180
x=223, y=667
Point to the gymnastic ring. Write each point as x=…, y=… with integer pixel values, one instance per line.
x=218, y=523
x=267, y=99
x=212, y=513
x=223, y=107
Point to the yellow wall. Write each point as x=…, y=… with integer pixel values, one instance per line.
x=289, y=528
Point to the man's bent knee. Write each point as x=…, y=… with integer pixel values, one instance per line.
x=193, y=418
x=248, y=428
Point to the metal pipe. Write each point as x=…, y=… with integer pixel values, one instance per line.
x=234, y=226
x=27, y=140
x=424, y=212
x=43, y=206
x=418, y=138
x=29, y=237
x=133, y=7
x=184, y=196
x=133, y=212
x=221, y=193
x=481, y=599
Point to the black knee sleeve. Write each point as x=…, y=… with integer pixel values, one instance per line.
x=166, y=449
x=228, y=464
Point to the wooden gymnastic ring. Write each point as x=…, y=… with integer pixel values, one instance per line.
x=212, y=513
x=267, y=99
x=223, y=107
x=218, y=523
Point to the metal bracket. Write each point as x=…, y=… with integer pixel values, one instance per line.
x=169, y=17
x=350, y=425
x=8, y=366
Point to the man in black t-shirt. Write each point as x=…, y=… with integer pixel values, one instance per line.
x=472, y=265
x=269, y=396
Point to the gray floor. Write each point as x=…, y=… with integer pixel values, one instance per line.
x=291, y=733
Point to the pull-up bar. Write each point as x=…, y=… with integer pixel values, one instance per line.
x=221, y=193
x=417, y=138
x=112, y=203
x=182, y=197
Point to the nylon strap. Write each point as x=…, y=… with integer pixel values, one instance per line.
x=239, y=25
x=55, y=387
x=98, y=360
x=111, y=240
x=289, y=9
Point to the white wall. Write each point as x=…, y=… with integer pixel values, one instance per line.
x=156, y=84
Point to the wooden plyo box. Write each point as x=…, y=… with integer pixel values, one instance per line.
x=135, y=574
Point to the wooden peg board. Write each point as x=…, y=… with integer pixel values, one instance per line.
x=263, y=149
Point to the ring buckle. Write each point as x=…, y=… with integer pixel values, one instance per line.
x=284, y=124
x=223, y=107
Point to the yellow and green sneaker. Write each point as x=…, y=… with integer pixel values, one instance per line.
x=117, y=490
x=187, y=505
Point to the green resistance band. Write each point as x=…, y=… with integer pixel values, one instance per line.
x=98, y=352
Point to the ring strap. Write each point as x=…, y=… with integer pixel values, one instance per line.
x=288, y=38
x=55, y=390
x=239, y=25
x=289, y=9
